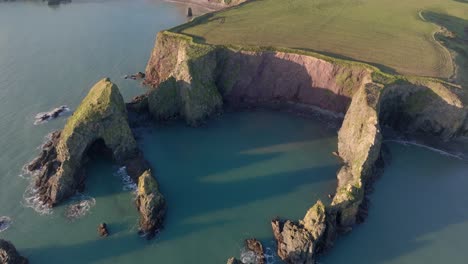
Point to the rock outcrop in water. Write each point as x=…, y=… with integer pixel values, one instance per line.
x=99, y=126
x=298, y=242
x=193, y=81
x=9, y=254
x=150, y=204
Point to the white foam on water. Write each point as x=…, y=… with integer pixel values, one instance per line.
x=412, y=143
x=31, y=199
x=127, y=182
x=38, y=116
x=80, y=207
x=249, y=257
x=5, y=223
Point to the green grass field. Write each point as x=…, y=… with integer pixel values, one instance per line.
x=393, y=35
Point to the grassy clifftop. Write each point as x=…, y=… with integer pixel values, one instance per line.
x=392, y=35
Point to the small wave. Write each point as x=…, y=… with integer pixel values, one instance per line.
x=31, y=199
x=442, y=152
x=80, y=207
x=249, y=257
x=5, y=223
x=44, y=117
x=127, y=182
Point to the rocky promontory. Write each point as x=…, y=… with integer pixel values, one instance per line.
x=9, y=254
x=194, y=81
x=98, y=127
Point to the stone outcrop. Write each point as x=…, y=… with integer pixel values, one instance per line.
x=150, y=204
x=9, y=254
x=299, y=242
x=256, y=248
x=99, y=126
x=193, y=80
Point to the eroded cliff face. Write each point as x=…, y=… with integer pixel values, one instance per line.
x=193, y=80
x=98, y=126
x=359, y=142
x=425, y=108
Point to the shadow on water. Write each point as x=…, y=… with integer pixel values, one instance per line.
x=418, y=213
x=230, y=169
x=86, y=252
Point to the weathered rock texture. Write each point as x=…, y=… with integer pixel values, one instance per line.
x=298, y=242
x=99, y=126
x=150, y=204
x=9, y=255
x=101, y=118
x=193, y=81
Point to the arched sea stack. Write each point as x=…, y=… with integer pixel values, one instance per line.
x=99, y=124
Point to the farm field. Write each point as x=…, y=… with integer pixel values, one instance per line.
x=396, y=36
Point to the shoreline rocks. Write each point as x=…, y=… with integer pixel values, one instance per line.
x=300, y=242
x=9, y=254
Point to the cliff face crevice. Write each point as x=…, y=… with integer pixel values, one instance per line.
x=194, y=80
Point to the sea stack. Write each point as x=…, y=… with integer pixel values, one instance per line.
x=189, y=12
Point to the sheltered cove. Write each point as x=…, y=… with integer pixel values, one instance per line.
x=194, y=81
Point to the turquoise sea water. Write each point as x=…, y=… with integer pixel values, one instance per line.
x=223, y=182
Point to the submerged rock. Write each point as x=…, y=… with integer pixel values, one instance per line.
x=52, y=114
x=102, y=230
x=5, y=223
x=151, y=205
x=9, y=254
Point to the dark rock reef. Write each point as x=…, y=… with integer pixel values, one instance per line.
x=99, y=126
x=9, y=254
